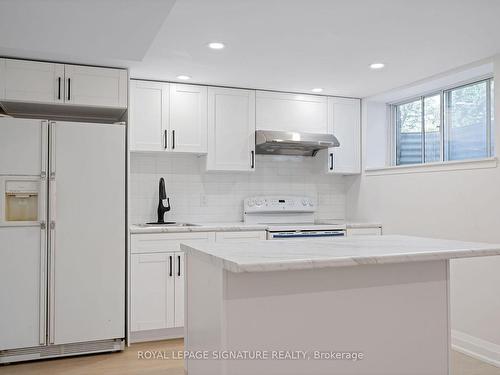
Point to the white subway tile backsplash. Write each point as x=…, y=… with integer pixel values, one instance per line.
x=197, y=195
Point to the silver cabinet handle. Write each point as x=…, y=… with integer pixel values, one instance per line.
x=165, y=139
x=173, y=139
x=58, y=88
x=179, y=269
x=331, y=161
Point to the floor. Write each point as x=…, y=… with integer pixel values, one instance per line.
x=127, y=362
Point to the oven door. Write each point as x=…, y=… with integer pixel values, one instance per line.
x=304, y=234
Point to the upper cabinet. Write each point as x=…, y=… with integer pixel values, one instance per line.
x=188, y=118
x=99, y=87
x=149, y=115
x=168, y=117
x=31, y=81
x=231, y=129
x=344, y=121
x=61, y=90
x=291, y=112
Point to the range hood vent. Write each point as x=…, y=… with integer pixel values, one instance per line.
x=270, y=142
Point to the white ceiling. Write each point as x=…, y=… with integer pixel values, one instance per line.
x=288, y=45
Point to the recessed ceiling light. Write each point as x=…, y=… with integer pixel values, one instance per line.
x=216, y=45
x=183, y=77
x=377, y=65
x=317, y=89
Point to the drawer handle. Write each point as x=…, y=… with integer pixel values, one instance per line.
x=179, y=269
x=170, y=265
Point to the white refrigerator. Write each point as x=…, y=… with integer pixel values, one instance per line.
x=62, y=238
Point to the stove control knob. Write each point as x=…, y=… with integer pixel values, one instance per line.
x=304, y=202
x=311, y=203
x=251, y=202
x=258, y=202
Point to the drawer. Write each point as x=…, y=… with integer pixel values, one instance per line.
x=240, y=236
x=364, y=231
x=165, y=242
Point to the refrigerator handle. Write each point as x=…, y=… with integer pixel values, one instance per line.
x=52, y=147
x=43, y=283
x=45, y=149
x=52, y=232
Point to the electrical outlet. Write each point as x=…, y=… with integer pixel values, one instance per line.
x=203, y=200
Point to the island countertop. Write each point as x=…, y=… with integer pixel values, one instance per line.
x=262, y=256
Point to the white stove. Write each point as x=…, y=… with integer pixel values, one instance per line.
x=288, y=217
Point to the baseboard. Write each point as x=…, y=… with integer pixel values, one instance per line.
x=156, y=334
x=477, y=348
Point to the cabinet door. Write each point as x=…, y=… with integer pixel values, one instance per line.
x=291, y=112
x=149, y=116
x=31, y=81
x=188, y=118
x=152, y=291
x=344, y=121
x=179, y=289
x=231, y=129
x=99, y=87
x=240, y=236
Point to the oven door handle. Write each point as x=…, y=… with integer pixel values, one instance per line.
x=304, y=235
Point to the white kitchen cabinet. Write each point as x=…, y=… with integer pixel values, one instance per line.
x=149, y=115
x=157, y=279
x=231, y=129
x=344, y=121
x=240, y=236
x=62, y=90
x=152, y=291
x=31, y=81
x=188, y=118
x=291, y=112
x=97, y=87
x=374, y=231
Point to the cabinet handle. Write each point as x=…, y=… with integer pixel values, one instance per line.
x=165, y=138
x=331, y=161
x=252, y=154
x=179, y=260
x=170, y=265
x=59, y=88
x=173, y=139
x=69, y=89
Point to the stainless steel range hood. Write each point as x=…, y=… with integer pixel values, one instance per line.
x=291, y=143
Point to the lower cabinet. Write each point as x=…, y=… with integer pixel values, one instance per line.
x=157, y=280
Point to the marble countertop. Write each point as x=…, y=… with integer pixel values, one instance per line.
x=233, y=227
x=199, y=227
x=261, y=256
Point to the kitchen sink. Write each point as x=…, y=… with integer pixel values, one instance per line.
x=170, y=224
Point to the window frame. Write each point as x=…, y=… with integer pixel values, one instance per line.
x=444, y=94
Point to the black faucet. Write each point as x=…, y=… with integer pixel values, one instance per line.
x=161, y=196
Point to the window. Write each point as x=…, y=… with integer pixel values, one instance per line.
x=452, y=124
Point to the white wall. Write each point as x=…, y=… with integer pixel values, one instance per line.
x=188, y=185
x=463, y=205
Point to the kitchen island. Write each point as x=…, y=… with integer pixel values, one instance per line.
x=359, y=305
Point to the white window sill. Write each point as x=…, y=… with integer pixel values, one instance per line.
x=434, y=167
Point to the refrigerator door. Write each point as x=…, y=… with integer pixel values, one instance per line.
x=23, y=147
x=22, y=286
x=87, y=232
